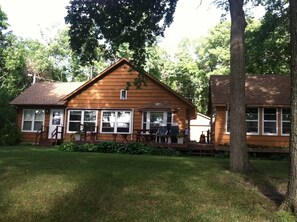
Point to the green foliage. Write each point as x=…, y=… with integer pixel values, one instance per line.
x=283, y=216
x=272, y=56
x=108, y=24
x=9, y=135
x=113, y=147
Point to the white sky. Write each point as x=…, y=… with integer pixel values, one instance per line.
x=27, y=18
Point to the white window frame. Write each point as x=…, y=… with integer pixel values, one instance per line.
x=248, y=133
x=81, y=120
x=33, y=119
x=115, y=122
x=121, y=94
x=148, y=118
x=282, y=121
x=276, y=121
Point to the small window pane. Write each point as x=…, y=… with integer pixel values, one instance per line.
x=28, y=115
x=75, y=115
x=74, y=126
x=38, y=125
x=270, y=127
x=286, y=128
x=123, y=94
x=90, y=116
x=286, y=114
x=39, y=115
x=89, y=126
x=27, y=125
x=269, y=114
x=252, y=127
x=252, y=114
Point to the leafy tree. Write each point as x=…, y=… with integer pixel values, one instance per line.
x=213, y=52
x=3, y=41
x=272, y=55
x=107, y=24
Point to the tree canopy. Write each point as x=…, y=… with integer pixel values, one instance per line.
x=107, y=24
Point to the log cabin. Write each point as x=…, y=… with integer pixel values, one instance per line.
x=101, y=107
x=267, y=110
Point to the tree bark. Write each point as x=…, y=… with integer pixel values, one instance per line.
x=290, y=202
x=239, y=161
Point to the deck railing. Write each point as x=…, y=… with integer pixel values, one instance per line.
x=40, y=134
x=57, y=134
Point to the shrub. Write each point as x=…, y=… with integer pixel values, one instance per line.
x=113, y=147
x=135, y=148
x=69, y=147
x=9, y=135
x=108, y=147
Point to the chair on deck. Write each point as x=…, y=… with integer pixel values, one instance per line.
x=162, y=134
x=90, y=130
x=174, y=131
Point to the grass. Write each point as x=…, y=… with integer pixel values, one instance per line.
x=50, y=185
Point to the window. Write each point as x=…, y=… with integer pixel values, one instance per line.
x=153, y=119
x=33, y=119
x=286, y=124
x=116, y=121
x=252, y=120
x=123, y=94
x=228, y=121
x=82, y=120
x=270, y=121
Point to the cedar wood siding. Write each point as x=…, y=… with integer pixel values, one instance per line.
x=223, y=138
x=104, y=93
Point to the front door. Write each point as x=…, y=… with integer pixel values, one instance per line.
x=56, y=119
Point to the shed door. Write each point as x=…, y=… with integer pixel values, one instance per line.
x=56, y=119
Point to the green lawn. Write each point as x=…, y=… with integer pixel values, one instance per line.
x=49, y=185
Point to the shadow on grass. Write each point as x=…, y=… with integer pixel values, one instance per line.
x=110, y=187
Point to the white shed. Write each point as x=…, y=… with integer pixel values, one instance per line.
x=198, y=126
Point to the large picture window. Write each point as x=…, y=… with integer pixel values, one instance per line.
x=286, y=121
x=82, y=120
x=116, y=121
x=153, y=119
x=33, y=119
x=270, y=121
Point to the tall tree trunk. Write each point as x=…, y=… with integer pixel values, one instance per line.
x=239, y=161
x=290, y=203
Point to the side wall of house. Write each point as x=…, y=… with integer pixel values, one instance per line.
x=105, y=94
x=223, y=138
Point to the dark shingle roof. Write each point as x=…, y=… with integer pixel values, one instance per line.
x=45, y=93
x=261, y=90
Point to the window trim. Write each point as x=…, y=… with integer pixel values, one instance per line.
x=276, y=121
x=81, y=121
x=116, y=113
x=226, y=124
x=121, y=94
x=284, y=134
x=33, y=120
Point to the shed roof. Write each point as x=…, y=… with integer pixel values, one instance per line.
x=261, y=90
x=46, y=93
